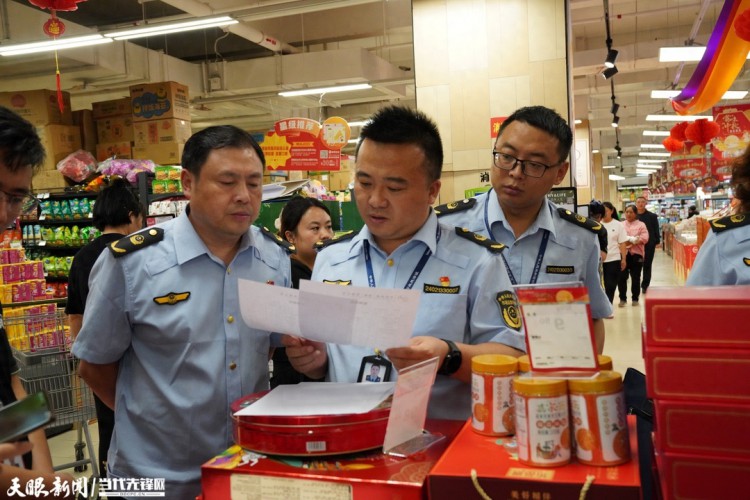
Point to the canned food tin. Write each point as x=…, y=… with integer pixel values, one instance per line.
x=491, y=397
x=542, y=424
x=597, y=408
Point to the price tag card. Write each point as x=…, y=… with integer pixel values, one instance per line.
x=559, y=330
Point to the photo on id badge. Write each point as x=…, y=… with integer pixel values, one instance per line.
x=374, y=369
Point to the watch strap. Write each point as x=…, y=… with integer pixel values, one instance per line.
x=452, y=360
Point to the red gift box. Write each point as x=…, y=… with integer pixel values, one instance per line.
x=685, y=476
x=721, y=430
x=703, y=317
x=711, y=375
x=361, y=476
x=501, y=475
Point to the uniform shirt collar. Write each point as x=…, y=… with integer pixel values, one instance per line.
x=543, y=220
x=189, y=245
x=426, y=235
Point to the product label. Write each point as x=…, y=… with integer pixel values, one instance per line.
x=613, y=428
x=542, y=430
x=502, y=409
x=583, y=434
x=479, y=411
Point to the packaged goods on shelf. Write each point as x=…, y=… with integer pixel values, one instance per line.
x=84, y=120
x=115, y=129
x=48, y=179
x=168, y=130
x=106, y=150
x=166, y=153
x=39, y=107
x=114, y=107
x=58, y=141
x=153, y=101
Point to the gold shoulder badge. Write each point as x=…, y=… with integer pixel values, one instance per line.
x=730, y=222
x=172, y=298
x=278, y=240
x=336, y=239
x=338, y=282
x=746, y=261
x=509, y=309
x=455, y=206
x=492, y=245
x=579, y=220
x=134, y=242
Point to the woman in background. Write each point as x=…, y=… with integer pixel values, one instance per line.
x=636, y=250
x=304, y=222
x=117, y=212
x=615, y=260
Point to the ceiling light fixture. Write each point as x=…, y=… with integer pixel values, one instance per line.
x=645, y=160
x=648, y=165
x=614, y=177
x=608, y=166
x=609, y=73
x=656, y=133
x=682, y=54
x=615, y=107
x=611, y=58
x=615, y=121
x=676, y=118
x=52, y=45
x=594, y=151
x=654, y=154
x=176, y=27
x=577, y=121
x=359, y=123
x=325, y=90
x=668, y=94
x=652, y=146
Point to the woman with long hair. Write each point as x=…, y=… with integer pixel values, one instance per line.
x=615, y=260
x=635, y=252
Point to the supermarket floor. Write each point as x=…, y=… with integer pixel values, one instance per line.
x=623, y=344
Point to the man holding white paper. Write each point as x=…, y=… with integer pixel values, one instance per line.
x=466, y=304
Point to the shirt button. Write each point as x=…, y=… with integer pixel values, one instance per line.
x=232, y=365
x=230, y=319
x=229, y=270
x=390, y=262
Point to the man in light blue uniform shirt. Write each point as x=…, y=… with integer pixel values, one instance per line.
x=546, y=244
x=163, y=341
x=466, y=307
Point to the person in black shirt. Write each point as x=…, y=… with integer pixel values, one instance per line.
x=654, y=238
x=117, y=212
x=304, y=222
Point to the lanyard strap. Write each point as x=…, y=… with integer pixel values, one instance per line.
x=539, y=257
x=414, y=275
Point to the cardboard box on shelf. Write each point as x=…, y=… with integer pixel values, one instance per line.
x=161, y=131
x=114, y=107
x=58, y=141
x=153, y=101
x=48, y=179
x=40, y=107
x=339, y=181
x=84, y=120
x=502, y=476
x=115, y=129
x=168, y=153
x=109, y=149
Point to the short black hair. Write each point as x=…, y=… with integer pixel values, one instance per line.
x=400, y=125
x=294, y=210
x=200, y=145
x=20, y=145
x=545, y=119
x=114, y=204
x=596, y=208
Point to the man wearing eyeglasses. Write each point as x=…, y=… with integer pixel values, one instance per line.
x=21, y=152
x=546, y=244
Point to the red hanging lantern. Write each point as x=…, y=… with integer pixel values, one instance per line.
x=742, y=25
x=702, y=131
x=54, y=28
x=673, y=145
x=678, y=131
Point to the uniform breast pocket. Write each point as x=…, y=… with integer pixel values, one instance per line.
x=442, y=315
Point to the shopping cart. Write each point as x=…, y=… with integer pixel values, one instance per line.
x=41, y=345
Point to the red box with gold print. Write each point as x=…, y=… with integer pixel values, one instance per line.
x=714, y=317
x=361, y=476
x=684, y=476
x=500, y=475
x=719, y=430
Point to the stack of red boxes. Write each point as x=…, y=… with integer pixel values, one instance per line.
x=697, y=351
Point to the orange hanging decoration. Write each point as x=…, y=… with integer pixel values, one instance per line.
x=673, y=145
x=702, y=131
x=54, y=28
x=742, y=25
x=678, y=131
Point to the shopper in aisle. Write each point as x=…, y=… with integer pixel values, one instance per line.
x=303, y=222
x=724, y=258
x=651, y=220
x=21, y=153
x=596, y=213
x=465, y=288
x=162, y=340
x=637, y=238
x=117, y=212
x=615, y=262
x=546, y=244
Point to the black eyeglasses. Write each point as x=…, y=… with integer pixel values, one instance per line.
x=530, y=168
x=23, y=204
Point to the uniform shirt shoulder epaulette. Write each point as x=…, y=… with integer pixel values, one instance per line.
x=579, y=220
x=730, y=222
x=135, y=242
x=455, y=206
x=278, y=240
x=492, y=245
x=336, y=239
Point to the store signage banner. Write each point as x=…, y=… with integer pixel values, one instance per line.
x=304, y=144
x=495, y=123
x=734, y=132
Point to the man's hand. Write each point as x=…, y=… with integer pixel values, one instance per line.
x=418, y=350
x=307, y=357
